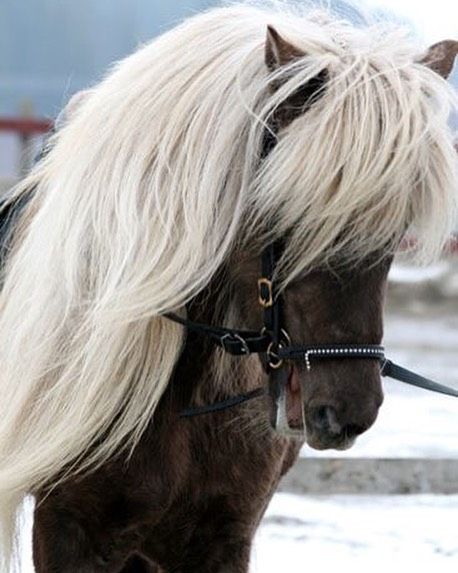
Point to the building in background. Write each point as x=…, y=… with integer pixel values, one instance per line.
x=50, y=49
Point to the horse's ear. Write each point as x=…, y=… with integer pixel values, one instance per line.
x=278, y=51
x=441, y=56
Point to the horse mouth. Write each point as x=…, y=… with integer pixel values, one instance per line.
x=297, y=420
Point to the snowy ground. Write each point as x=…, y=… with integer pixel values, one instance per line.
x=353, y=534
x=358, y=534
x=378, y=533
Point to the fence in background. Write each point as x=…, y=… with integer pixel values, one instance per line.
x=372, y=476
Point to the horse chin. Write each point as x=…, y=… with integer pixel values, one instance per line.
x=320, y=444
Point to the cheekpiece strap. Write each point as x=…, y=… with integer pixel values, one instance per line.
x=266, y=292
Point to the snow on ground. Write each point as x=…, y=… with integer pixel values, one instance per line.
x=376, y=533
x=358, y=534
x=349, y=533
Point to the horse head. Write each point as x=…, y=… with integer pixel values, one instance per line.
x=336, y=400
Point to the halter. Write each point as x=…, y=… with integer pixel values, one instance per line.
x=274, y=343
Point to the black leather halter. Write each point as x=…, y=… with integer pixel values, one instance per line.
x=274, y=343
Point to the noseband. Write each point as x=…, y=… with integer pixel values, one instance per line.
x=277, y=351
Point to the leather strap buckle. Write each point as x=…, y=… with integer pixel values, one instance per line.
x=234, y=337
x=265, y=292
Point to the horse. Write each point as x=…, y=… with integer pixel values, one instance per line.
x=244, y=126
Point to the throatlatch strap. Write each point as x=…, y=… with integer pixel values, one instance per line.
x=223, y=404
x=235, y=342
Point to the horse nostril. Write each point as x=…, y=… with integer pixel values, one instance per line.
x=353, y=430
x=324, y=419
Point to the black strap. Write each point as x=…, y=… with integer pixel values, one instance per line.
x=235, y=342
x=271, y=341
x=223, y=404
x=269, y=300
x=388, y=368
x=397, y=372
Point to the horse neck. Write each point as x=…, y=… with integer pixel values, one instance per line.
x=204, y=372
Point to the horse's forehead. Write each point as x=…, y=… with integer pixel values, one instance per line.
x=326, y=299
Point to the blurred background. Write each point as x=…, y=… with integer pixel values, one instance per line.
x=392, y=500
x=50, y=49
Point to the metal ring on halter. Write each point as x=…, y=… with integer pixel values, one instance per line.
x=274, y=361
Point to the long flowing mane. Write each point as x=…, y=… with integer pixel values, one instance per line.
x=154, y=181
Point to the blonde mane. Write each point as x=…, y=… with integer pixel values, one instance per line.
x=153, y=181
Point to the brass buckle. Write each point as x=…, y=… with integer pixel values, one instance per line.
x=265, y=302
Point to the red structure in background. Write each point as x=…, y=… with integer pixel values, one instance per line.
x=26, y=126
x=26, y=129
x=451, y=247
